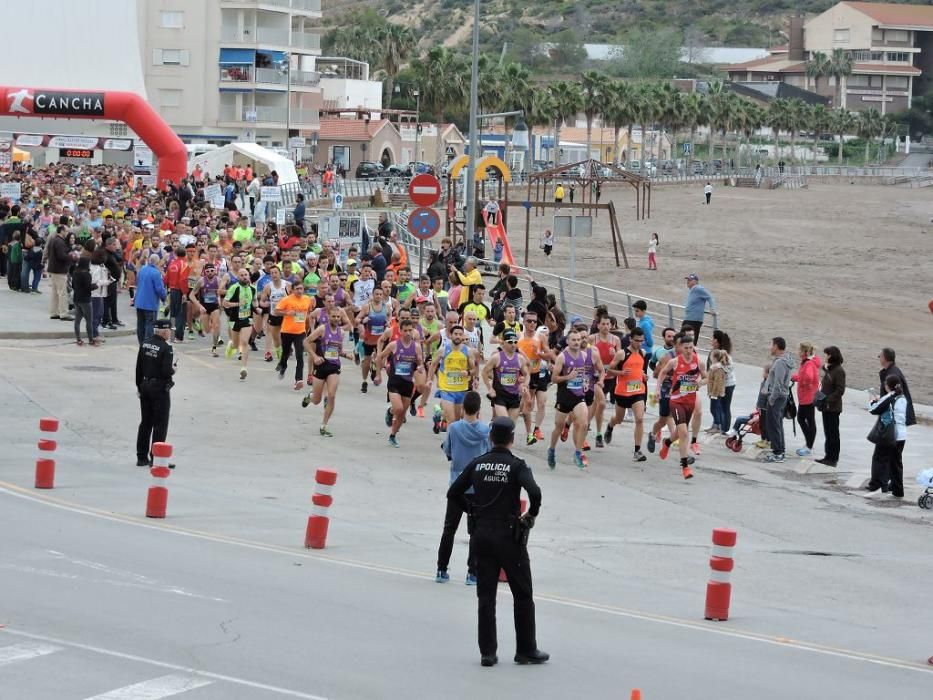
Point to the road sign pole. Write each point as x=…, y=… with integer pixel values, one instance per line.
x=420, y=258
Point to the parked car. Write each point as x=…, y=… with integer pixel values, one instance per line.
x=667, y=166
x=699, y=167
x=717, y=165
x=368, y=170
x=634, y=165
x=419, y=168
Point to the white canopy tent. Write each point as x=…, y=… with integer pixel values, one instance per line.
x=242, y=154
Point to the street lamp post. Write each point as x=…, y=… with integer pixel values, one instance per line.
x=470, y=218
x=417, y=93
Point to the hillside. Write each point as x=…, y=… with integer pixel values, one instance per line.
x=523, y=23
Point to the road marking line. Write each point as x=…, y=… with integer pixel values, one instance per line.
x=155, y=689
x=25, y=651
x=710, y=628
x=162, y=664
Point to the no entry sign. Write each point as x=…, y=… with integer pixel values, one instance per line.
x=424, y=190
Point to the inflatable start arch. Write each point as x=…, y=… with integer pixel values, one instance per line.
x=126, y=107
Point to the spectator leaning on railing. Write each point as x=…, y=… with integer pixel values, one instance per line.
x=695, y=305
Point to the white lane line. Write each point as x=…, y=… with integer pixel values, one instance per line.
x=161, y=664
x=697, y=626
x=155, y=689
x=25, y=651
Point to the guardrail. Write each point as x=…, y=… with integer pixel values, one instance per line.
x=795, y=170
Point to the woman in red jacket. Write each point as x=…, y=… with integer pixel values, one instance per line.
x=808, y=382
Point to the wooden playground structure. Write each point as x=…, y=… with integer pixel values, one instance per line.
x=587, y=176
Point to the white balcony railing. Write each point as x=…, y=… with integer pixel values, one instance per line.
x=271, y=75
x=306, y=78
x=297, y=5
x=266, y=35
x=307, y=5
x=306, y=41
x=236, y=74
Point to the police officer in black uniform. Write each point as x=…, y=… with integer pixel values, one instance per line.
x=499, y=535
x=155, y=365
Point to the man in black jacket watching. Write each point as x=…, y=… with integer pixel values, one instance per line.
x=114, y=265
x=887, y=357
x=498, y=533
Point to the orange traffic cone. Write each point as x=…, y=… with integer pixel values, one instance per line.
x=636, y=694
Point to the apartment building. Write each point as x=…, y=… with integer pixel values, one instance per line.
x=233, y=70
x=891, y=47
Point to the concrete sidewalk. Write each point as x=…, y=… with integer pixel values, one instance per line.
x=26, y=316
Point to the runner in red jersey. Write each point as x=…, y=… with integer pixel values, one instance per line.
x=687, y=376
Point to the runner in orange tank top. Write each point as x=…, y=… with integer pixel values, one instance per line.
x=629, y=368
x=607, y=345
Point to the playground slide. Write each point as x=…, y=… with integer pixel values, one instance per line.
x=497, y=232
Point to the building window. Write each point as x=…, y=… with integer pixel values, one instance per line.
x=857, y=81
x=118, y=129
x=877, y=35
x=840, y=36
x=898, y=57
x=896, y=82
x=874, y=81
x=170, y=57
x=877, y=55
x=860, y=55
x=896, y=35
x=172, y=20
x=170, y=98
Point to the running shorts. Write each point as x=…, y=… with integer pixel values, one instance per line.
x=629, y=401
x=539, y=382
x=506, y=400
x=609, y=389
x=242, y=323
x=400, y=386
x=454, y=397
x=324, y=370
x=682, y=411
x=275, y=321
x=567, y=400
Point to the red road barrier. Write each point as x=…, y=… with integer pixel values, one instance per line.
x=636, y=694
x=523, y=507
x=157, y=499
x=316, y=532
x=719, y=588
x=45, y=464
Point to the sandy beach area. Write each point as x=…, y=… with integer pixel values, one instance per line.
x=834, y=264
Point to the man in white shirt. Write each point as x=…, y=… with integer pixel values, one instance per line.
x=708, y=191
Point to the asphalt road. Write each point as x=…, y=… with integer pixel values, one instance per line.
x=221, y=601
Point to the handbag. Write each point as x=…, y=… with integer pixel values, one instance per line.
x=884, y=433
x=819, y=400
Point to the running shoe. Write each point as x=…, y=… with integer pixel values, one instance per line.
x=551, y=458
x=470, y=580
x=443, y=426
x=564, y=433
x=190, y=334
x=691, y=460
x=775, y=458
x=412, y=410
x=695, y=448
x=580, y=460
x=389, y=417
x=278, y=354
x=586, y=446
x=437, y=419
x=803, y=452
x=197, y=325
x=651, y=443
x=420, y=411
x=252, y=346
x=298, y=385
x=228, y=353
x=599, y=441
x=639, y=456
x=281, y=372
x=763, y=445
x=325, y=431
x=364, y=388
x=530, y=440
x=688, y=472
x=268, y=356
x=393, y=441
x=665, y=449
x=441, y=576
x=538, y=434
x=243, y=373
x=214, y=351
x=356, y=357
x=607, y=436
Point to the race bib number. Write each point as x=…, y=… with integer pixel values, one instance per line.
x=245, y=312
x=688, y=388
x=403, y=369
x=331, y=354
x=300, y=316
x=210, y=297
x=457, y=378
x=377, y=330
x=575, y=384
x=634, y=387
x=507, y=380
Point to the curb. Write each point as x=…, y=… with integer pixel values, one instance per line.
x=57, y=335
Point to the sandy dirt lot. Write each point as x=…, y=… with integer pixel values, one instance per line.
x=841, y=264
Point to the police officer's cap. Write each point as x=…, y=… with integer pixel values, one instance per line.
x=501, y=430
x=163, y=324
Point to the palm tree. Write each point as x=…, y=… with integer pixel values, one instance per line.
x=695, y=110
x=777, y=118
x=489, y=83
x=796, y=120
x=840, y=67
x=716, y=100
x=818, y=121
x=751, y=118
x=817, y=67
x=594, y=87
x=842, y=122
x=870, y=124
x=675, y=117
x=440, y=73
x=394, y=43
x=542, y=108
x=568, y=100
x=619, y=113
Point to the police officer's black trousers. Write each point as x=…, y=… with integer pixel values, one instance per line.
x=154, y=405
x=452, y=518
x=494, y=548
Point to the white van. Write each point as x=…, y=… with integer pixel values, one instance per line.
x=197, y=149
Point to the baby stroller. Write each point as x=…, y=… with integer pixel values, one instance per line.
x=749, y=427
x=925, y=478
